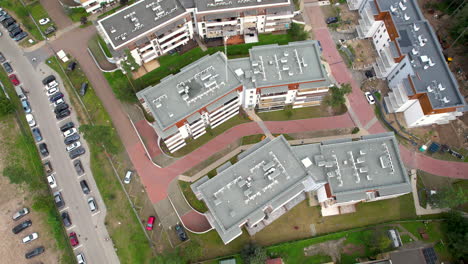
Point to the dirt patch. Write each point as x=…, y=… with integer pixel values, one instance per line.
x=351, y=249
x=331, y=248
x=364, y=52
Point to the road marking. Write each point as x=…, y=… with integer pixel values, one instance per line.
x=66, y=208
x=79, y=176
x=75, y=248
x=70, y=227
x=96, y=213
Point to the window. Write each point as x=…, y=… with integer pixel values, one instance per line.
x=376, y=42
x=402, y=66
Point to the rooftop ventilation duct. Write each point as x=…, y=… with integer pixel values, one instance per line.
x=429, y=89
x=445, y=100
x=402, y=6
x=406, y=17
x=415, y=27
x=440, y=87
x=393, y=9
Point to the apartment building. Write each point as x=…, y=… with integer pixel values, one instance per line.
x=147, y=28
x=411, y=60
x=272, y=177
x=211, y=90
x=226, y=18
x=92, y=6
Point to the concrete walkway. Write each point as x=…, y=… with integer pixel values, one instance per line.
x=259, y=122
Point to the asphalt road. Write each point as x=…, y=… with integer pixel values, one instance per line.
x=92, y=233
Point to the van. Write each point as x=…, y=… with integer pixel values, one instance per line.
x=128, y=177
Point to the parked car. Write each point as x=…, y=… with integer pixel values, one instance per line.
x=84, y=186
x=92, y=204
x=58, y=199
x=26, y=106
x=70, y=139
x=20, y=36
x=15, y=32
x=56, y=97
x=78, y=167
x=73, y=146
x=150, y=223
x=66, y=219
x=37, y=134
x=7, y=22
x=49, y=30
x=21, y=226
x=12, y=27
x=76, y=153
x=44, y=21
x=48, y=79
x=13, y=79
x=20, y=213
x=60, y=108
x=59, y=102
x=7, y=67
x=52, y=84
x=30, y=119
x=2, y=58
x=128, y=177
x=35, y=252
x=67, y=126
x=4, y=17
x=181, y=232
x=52, y=182
x=70, y=132
x=370, y=98
x=52, y=91
x=48, y=167
x=43, y=150
x=71, y=66
x=80, y=258
x=63, y=114
x=83, y=89
x=30, y=237
x=74, y=239
x=331, y=20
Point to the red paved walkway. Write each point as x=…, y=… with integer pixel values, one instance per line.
x=195, y=222
x=149, y=136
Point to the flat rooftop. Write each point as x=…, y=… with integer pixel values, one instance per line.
x=138, y=19
x=273, y=65
x=195, y=86
x=244, y=190
x=354, y=167
x=214, y=5
x=418, y=40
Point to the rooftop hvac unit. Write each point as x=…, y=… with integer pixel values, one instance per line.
x=185, y=97
x=431, y=63
x=393, y=9
x=160, y=13
x=415, y=27
x=402, y=6
x=429, y=89
x=254, y=63
x=406, y=17
x=290, y=73
x=158, y=104
x=133, y=19
x=285, y=67
x=445, y=100
x=414, y=51
x=285, y=53
x=284, y=60
x=441, y=88
x=112, y=30
x=270, y=62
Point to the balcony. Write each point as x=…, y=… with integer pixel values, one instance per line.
x=353, y=4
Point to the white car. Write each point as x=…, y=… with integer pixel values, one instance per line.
x=92, y=204
x=31, y=121
x=128, y=177
x=44, y=21
x=73, y=146
x=80, y=258
x=52, y=91
x=52, y=84
x=370, y=98
x=59, y=102
x=52, y=182
x=70, y=132
x=30, y=237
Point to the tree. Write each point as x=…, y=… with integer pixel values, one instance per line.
x=123, y=2
x=336, y=96
x=377, y=241
x=253, y=254
x=455, y=228
x=100, y=135
x=297, y=32
x=449, y=198
x=83, y=20
x=6, y=106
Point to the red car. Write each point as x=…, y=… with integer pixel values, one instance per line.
x=74, y=239
x=14, y=79
x=149, y=225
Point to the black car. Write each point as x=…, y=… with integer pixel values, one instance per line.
x=7, y=67
x=71, y=66
x=35, y=252
x=37, y=134
x=83, y=89
x=49, y=30
x=181, y=232
x=78, y=167
x=55, y=97
x=43, y=149
x=2, y=58
x=84, y=187
x=331, y=20
x=66, y=219
x=48, y=79
x=21, y=226
x=61, y=107
x=12, y=27
x=72, y=138
x=63, y=114
x=15, y=32
x=4, y=17
x=7, y=22
x=67, y=126
x=76, y=152
x=58, y=200
x=20, y=36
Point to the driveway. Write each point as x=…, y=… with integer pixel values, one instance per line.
x=57, y=13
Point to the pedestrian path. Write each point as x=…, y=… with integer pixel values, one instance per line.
x=259, y=121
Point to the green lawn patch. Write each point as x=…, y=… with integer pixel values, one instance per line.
x=252, y=139
x=75, y=14
x=104, y=46
x=294, y=114
x=121, y=86
x=123, y=226
x=38, y=12
x=191, y=198
x=406, y=239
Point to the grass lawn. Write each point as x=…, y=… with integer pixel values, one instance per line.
x=191, y=198
x=104, y=46
x=209, y=135
x=127, y=235
x=252, y=139
x=121, y=86
x=297, y=113
x=449, y=157
x=406, y=239
x=75, y=14
x=38, y=12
